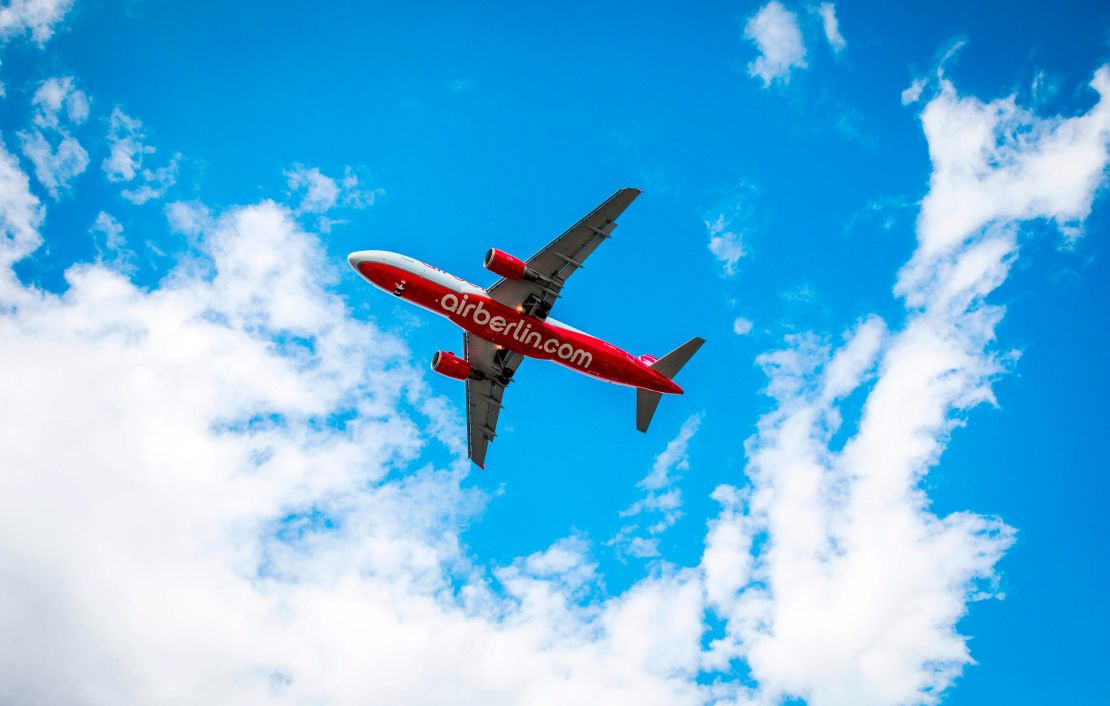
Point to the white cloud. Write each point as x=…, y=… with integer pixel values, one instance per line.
x=565, y=563
x=775, y=32
x=126, y=148
x=21, y=215
x=996, y=162
x=741, y=326
x=56, y=102
x=662, y=501
x=35, y=17
x=190, y=218
x=912, y=93
x=673, y=457
x=1044, y=87
x=111, y=245
x=726, y=244
x=846, y=370
x=126, y=159
x=154, y=183
x=831, y=25
x=110, y=228
x=55, y=95
x=727, y=560
x=854, y=596
x=320, y=193
x=355, y=193
x=56, y=166
x=230, y=514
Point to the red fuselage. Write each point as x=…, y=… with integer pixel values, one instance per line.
x=471, y=308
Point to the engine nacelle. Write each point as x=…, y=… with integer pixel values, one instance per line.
x=509, y=267
x=450, y=365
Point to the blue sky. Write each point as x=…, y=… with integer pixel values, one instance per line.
x=440, y=130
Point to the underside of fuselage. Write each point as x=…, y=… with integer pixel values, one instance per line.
x=472, y=308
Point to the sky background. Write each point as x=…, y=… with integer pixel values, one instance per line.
x=234, y=153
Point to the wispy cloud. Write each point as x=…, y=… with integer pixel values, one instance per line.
x=726, y=244
x=831, y=25
x=883, y=211
x=57, y=98
x=912, y=93
x=126, y=161
x=661, y=505
x=460, y=85
x=21, y=216
x=319, y=193
x=234, y=447
x=727, y=225
x=111, y=244
x=53, y=150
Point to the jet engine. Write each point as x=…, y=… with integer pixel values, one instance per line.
x=509, y=267
x=450, y=365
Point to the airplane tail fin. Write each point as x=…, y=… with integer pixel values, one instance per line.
x=668, y=365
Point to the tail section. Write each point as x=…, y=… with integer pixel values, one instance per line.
x=668, y=366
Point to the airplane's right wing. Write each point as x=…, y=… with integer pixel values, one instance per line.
x=483, y=395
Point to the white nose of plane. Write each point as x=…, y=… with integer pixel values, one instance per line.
x=382, y=268
x=357, y=258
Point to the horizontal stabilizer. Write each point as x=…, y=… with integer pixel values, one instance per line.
x=670, y=364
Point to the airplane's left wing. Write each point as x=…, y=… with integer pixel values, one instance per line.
x=483, y=394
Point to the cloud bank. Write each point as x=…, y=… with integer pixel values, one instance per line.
x=206, y=497
x=853, y=592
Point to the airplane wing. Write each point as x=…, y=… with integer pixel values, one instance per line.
x=483, y=396
x=561, y=258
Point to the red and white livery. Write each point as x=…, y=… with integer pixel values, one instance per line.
x=509, y=322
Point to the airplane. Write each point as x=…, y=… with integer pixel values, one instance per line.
x=509, y=322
